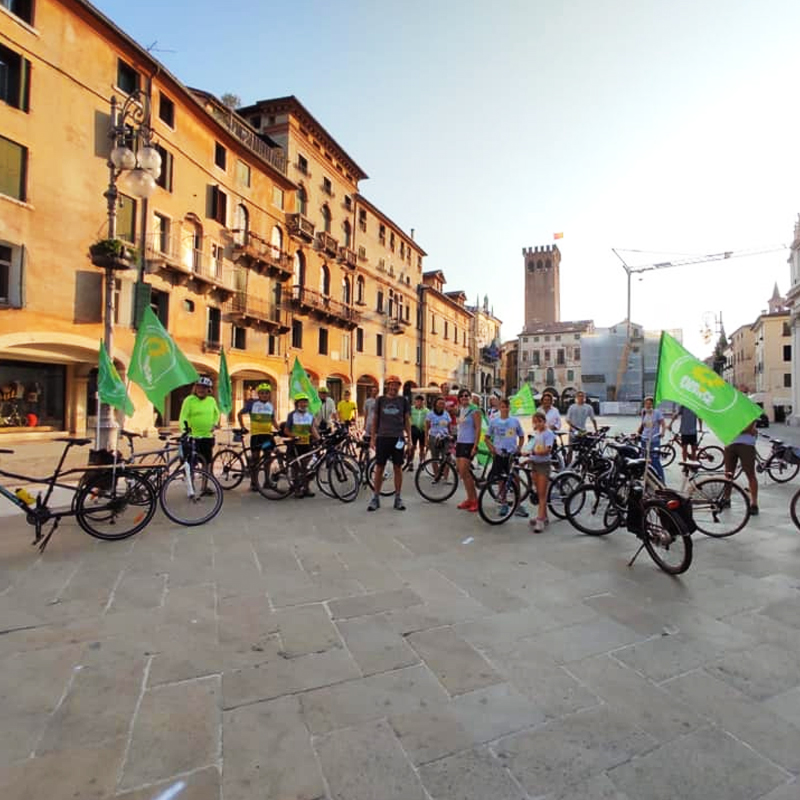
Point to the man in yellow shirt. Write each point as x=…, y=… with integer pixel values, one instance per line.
x=346, y=409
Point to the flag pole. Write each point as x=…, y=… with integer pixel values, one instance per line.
x=648, y=454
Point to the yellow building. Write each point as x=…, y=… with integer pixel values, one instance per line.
x=248, y=242
x=772, y=334
x=444, y=332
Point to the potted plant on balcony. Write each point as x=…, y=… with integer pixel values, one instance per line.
x=112, y=254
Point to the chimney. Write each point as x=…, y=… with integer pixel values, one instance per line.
x=412, y=233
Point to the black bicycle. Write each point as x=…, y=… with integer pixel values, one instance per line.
x=110, y=502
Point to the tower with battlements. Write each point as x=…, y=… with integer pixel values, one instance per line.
x=542, y=293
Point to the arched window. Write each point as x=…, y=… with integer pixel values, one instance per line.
x=299, y=269
x=325, y=280
x=241, y=225
x=346, y=234
x=326, y=219
x=276, y=240
x=346, y=291
x=360, y=289
x=302, y=201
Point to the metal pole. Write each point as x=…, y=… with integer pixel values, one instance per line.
x=107, y=423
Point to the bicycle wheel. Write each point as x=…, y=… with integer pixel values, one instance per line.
x=229, y=468
x=711, y=458
x=191, y=497
x=498, y=501
x=344, y=480
x=666, y=454
x=322, y=472
x=720, y=507
x=115, y=505
x=793, y=509
x=664, y=539
x=592, y=510
x=272, y=477
x=780, y=470
x=481, y=472
x=387, y=487
x=436, y=479
x=560, y=488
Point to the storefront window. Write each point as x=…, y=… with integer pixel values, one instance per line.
x=32, y=395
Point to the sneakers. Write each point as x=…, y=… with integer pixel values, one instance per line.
x=503, y=510
x=538, y=526
x=473, y=507
x=374, y=504
x=464, y=505
x=399, y=505
x=521, y=512
x=753, y=511
x=308, y=493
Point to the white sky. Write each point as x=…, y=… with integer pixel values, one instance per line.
x=487, y=127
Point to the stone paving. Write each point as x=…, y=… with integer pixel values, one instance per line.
x=305, y=649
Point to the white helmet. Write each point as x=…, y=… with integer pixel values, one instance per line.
x=204, y=381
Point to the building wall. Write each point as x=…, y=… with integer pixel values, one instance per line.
x=552, y=359
x=742, y=345
x=230, y=281
x=484, y=351
x=793, y=303
x=773, y=359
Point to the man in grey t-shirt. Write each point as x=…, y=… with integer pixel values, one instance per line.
x=580, y=412
x=391, y=436
x=688, y=430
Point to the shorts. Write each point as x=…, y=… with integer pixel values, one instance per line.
x=539, y=468
x=205, y=448
x=417, y=436
x=464, y=450
x=688, y=438
x=386, y=450
x=501, y=464
x=257, y=440
x=746, y=453
x=438, y=446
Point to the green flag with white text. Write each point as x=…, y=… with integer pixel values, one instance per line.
x=683, y=379
x=300, y=383
x=110, y=388
x=157, y=365
x=522, y=403
x=224, y=392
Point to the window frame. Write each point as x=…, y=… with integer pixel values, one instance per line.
x=220, y=155
x=19, y=83
x=166, y=102
x=22, y=189
x=122, y=66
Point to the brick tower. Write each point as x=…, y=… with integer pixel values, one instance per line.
x=542, y=293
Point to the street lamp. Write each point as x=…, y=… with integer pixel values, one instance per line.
x=134, y=159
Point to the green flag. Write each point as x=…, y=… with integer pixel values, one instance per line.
x=110, y=387
x=225, y=395
x=685, y=380
x=157, y=365
x=522, y=403
x=299, y=382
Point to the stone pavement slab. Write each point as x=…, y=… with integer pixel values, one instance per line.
x=307, y=649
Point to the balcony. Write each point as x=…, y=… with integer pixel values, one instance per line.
x=211, y=345
x=257, y=313
x=327, y=244
x=347, y=257
x=211, y=276
x=300, y=227
x=163, y=256
x=253, y=251
x=272, y=155
x=325, y=309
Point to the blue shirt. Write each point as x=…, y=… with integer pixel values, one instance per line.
x=651, y=424
x=541, y=441
x=504, y=434
x=440, y=424
x=466, y=425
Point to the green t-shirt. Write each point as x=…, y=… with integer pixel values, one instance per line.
x=418, y=417
x=202, y=415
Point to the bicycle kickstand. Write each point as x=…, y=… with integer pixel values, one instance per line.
x=636, y=555
x=44, y=539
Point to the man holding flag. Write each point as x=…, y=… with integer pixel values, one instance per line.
x=730, y=414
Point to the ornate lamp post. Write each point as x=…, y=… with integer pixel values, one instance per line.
x=134, y=159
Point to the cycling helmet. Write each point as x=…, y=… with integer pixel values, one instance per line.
x=264, y=387
x=300, y=396
x=204, y=381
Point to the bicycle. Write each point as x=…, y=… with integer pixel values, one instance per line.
x=710, y=458
x=437, y=479
x=662, y=522
x=780, y=464
x=189, y=508
x=11, y=415
x=229, y=464
x=110, y=503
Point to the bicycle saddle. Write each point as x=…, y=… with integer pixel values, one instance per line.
x=130, y=434
x=74, y=440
